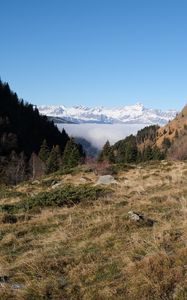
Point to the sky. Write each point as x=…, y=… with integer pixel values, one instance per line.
x=95, y=52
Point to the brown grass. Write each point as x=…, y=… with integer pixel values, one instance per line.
x=93, y=251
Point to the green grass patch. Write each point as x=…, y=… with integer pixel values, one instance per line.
x=68, y=195
x=6, y=193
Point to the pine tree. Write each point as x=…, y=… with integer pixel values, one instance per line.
x=131, y=152
x=157, y=154
x=106, y=153
x=54, y=161
x=166, y=143
x=72, y=154
x=44, y=151
x=148, y=153
x=111, y=156
x=65, y=136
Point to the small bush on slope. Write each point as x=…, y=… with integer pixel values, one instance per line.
x=69, y=195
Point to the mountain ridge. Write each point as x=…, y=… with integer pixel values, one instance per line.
x=129, y=114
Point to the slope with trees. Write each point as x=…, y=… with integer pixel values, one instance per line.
x=24, y=131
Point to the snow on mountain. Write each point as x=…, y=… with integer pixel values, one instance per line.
x=134, y=114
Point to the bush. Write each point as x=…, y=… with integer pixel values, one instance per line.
x=69, y=195
x=9, y=218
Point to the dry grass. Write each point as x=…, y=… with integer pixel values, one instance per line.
x=92, y=250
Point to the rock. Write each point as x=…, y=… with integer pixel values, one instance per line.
x=106, y=179
x=62, y=282
x=18, y=286
x=134, y=216
x=54, y=182
x=35, y=182
x=5, y=281
x=84, y=179
x=140, y=219
x=56, y=185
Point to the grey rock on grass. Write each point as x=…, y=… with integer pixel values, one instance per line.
x=106, y=180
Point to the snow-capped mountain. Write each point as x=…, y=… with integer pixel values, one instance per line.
x=134, y=114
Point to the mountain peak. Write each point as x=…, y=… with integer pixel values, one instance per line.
x=129, y=114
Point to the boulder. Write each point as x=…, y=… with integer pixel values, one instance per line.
x=140, y=219
x=106, y=180
x=56, y=185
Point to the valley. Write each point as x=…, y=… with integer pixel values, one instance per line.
x=74, y=226
x=98, y=134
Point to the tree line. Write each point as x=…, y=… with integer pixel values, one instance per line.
x=133, y=149
x=24, y=132
x=55, y=159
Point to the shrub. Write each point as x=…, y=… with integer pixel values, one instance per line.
x=9, y=218
x=68, y=195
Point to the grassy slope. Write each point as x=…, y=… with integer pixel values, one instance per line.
x=92, y=250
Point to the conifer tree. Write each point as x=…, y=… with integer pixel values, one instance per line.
x=65, y=136
x=106, y=153
x=71, y=156
x=157, y=154
x=148, y=153
x=131, y=152
x=54, y=160
x=44, y=151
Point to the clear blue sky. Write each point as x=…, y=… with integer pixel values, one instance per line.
x=95, y=52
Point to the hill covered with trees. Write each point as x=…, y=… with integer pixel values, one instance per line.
x=151, y=143
x=22, y=132
x=134, y=149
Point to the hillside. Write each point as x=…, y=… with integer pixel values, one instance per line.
x=22, y=127
x=151, y=143
x=64, y=238
x=171, y=138
x=22, y=133
x=174, y=128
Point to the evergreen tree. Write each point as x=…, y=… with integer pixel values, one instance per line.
x=131, y=152
x=65, y=136
x=44, y=151
x=30, y=127
x=147, y=153
x=166, y=143
x=111, y=156
x=106, y=153
x=72, y=154
x=157, y=154
x=54, y=161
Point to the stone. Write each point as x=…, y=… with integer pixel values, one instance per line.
x=106, y=180
x=84, y=179
x=18, y=286
x=35, y=182
x=56, y=185
x=140, y=219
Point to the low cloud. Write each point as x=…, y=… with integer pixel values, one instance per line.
x=98, y=134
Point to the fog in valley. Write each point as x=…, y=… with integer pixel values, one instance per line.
x=98, y=134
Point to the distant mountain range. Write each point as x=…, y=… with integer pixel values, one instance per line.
x=134, y=114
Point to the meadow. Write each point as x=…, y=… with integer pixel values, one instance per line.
x=65, y=237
